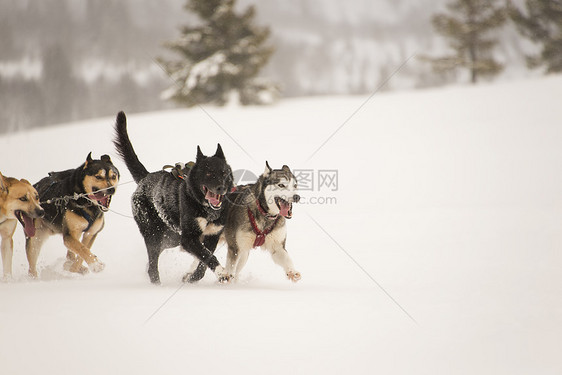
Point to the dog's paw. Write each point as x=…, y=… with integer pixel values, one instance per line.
x=225, y=279
x=188, y=278
x=97, y=266
x=198, y=274
x=223, y=276
x=75, y=267
x=6, y=279
x=294, y=276
x=192, y=277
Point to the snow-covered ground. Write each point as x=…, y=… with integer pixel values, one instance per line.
x=440, y=252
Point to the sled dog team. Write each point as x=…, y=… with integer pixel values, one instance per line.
x=194, y=207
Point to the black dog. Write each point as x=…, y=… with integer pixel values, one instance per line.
x=184, y=211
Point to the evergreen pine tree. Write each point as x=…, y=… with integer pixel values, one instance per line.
x=220, y=55
x=467, y=26
x=542, y=23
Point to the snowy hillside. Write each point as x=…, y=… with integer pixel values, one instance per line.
x=438, y=251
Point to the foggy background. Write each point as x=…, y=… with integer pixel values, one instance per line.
x=66, y=60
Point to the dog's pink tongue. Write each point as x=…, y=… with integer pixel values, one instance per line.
x=101, y=198
x=285, y=209
x=212, y=198
x=28, y=226
x=105, y=201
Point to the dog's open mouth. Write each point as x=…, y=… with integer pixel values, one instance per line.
x=27, y=222
x=215, y=200
x=285, y=208
x=102, y=199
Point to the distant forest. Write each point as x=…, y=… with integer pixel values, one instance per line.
x=68, y=60
x=65, y=60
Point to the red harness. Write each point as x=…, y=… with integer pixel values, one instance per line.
x=260, y=235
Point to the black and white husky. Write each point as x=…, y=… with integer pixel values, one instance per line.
x=256, y=217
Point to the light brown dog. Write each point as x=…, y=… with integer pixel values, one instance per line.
x=19, y=201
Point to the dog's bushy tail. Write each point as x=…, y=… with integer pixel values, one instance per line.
x=125, y=149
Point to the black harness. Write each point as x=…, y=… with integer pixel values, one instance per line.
x=82, y=212
x=77, y=209
x=179, y=170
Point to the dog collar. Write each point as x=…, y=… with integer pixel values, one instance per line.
x=260, y=235
x=264, y=212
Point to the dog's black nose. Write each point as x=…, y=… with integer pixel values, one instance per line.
x=110, y=191
x=296, y=198
x=40, y=212
x=221, y=190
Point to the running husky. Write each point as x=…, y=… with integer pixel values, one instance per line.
x=256, y=218
x=185, y=211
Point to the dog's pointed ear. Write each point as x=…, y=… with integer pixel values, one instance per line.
x=219, y=154
x=3, y=184
x=106, y=159
x=88, y=160
x=286, y=168
x=200, y=155
x=267, y=169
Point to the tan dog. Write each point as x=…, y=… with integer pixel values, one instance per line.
x=19, y=201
